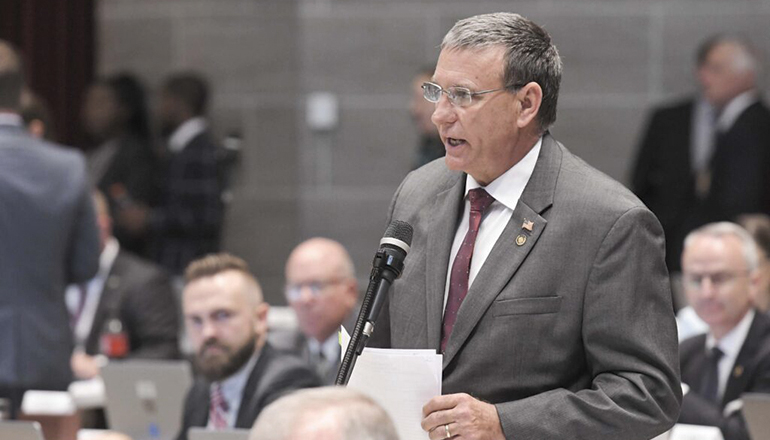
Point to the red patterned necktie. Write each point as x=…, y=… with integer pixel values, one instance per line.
x=458, y=281
x=218, y=408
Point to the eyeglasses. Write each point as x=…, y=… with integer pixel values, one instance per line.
x=294, y=291
x=718, y=279
x=459, y=96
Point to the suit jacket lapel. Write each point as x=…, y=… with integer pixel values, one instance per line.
x=108, y=307
x=509, y=251
x=741, y=372
x=249, y=408
x=445, y=211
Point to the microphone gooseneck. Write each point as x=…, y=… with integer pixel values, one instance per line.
x=387, y=266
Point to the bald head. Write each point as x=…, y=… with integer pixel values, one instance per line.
x=328, y=413
x=11, y=77
x=324, y=251
x=320, y=286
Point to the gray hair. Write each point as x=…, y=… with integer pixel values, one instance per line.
x=530, y=56
x=723, y=229
x=745, y=60
x=350, y=414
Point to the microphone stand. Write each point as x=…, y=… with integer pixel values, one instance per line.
x=358, y=339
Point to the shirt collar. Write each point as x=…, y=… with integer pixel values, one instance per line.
x=232, y=387
x=186, y=133
x=108, y=255
x=507, y=188
x=13, y=119
x=731, y=343
x=734, y=109
x=330, y=347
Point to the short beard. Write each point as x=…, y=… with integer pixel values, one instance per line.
x=215, y=372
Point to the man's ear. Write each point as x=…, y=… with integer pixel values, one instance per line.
x=260, y=321
x=529, y=98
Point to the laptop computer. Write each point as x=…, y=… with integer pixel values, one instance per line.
x=144, y=399
x=17, y=430
x=208, y=434
x=756, y=409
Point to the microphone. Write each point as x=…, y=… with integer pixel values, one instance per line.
x=387, y=267
x=389, y=260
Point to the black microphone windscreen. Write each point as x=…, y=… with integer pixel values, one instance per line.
x=400, y=231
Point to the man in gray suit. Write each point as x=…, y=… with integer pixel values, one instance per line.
x=48, y=238
x=545, y=288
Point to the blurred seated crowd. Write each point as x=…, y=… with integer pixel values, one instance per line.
x=114, y=255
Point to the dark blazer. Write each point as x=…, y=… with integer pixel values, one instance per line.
x=662, y=175
x=140, y=294
x=48, y=239
x=274, y=375
x=751, y=373
x=187, y=222
x=133, y=167
x=568, y=328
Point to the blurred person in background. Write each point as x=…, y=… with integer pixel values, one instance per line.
x=186, y=222
x=719, y=268
x=707, y=158
x=328, y=413
x=123, y=164
x=36, y=115
x=48, y=239
x=127, y=291
x=430, y=147
x=240, y=372
x=758, y=226
x=322, y=289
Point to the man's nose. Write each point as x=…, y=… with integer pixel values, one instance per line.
x=444, y=113
x=707, y=287
x=208, y=329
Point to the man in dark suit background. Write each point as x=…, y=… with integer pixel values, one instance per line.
x=322, y=289
x=543, y=286
x=706, y=159
x=226, y=321
x=135, y=292
x=187, y=221
x=721, y=280
x=48, y=238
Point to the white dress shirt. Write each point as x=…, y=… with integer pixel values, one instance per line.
x=734, y=109
x=12, y=119
x=185, y=133
x=94, y=288
x=702, y=134
x=730, y=345
x=232, y=391
x=506, y=190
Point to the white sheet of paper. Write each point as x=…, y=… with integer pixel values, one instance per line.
x=402, y=381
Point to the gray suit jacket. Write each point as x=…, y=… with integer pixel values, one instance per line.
x=48, y=238
x=570, y=334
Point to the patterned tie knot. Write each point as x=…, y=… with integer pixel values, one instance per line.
x=480, y=199
x=218, y=399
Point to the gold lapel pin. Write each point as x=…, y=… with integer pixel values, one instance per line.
x=528, y=225
x=738, y=371
x=520, y=240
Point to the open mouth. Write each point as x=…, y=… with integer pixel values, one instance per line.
x=455, y=142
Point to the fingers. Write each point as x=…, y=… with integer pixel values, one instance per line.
x=440, y=403
x=446, y=431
